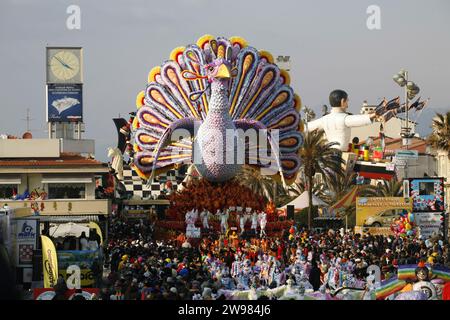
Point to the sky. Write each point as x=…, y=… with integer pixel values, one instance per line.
x=329, y=44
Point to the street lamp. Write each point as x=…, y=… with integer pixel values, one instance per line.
x=411, y=90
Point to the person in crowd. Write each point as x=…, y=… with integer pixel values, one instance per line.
x=83, y=241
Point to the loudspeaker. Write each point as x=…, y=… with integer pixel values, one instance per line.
x=290, y=212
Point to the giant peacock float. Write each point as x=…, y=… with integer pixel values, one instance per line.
x=207, y=90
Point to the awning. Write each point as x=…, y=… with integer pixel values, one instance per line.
x=69, y=218
x=302, y=201
x=67, y=179
x=346, y=200
x=10, y=179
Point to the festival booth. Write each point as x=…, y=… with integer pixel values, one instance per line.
x=335, y=214
x=302, y=201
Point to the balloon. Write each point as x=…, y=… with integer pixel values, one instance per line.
x=408, y=227
x=409, y=232
x=411, y=217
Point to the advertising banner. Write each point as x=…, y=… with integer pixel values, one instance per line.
x=25, y=241
x=429, y=223
x=427, y=194
x=87, y=261
x=64, y=103
x=50, y=262
x=377, y=211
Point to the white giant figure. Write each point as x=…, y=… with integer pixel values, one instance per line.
x=338, y=123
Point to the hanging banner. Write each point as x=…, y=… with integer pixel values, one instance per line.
x=64, y=103
x=50, y=262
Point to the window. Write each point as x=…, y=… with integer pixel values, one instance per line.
x=66, y=190
x=7, y=191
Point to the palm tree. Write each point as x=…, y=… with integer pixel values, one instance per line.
x=319, y=156
x=259, y=184
x=440, y=137
x=387, y=188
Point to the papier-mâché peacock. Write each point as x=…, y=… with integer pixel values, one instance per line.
x=208, y=89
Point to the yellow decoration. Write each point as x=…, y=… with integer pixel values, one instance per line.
x=239, y=40
x=285, y=75
x=140, y=99
x=175, y=52
x=297, y=102
x=267, y=55
x=204, y=39
x=153, y=73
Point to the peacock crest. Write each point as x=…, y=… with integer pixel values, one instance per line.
x=206, y=88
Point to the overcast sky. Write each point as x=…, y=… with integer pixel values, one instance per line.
x=328, y=41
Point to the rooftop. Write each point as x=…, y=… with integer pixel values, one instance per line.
x=65, y=160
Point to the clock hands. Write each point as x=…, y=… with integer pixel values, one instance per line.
x=64, y=64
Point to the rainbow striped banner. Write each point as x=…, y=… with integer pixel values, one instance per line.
x=389, y=287
x=441, y=273
x=406, y=271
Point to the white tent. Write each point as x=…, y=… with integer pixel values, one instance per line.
x=302, y=201
x=68, y=229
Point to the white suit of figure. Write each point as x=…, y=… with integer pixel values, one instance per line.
x=223, y=220
x=262, y=223
x=337, y=126
x=255, y=221
x=205, y=217
x=242, y=222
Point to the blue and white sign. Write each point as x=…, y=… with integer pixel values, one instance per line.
x=64, y=103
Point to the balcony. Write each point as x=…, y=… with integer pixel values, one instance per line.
x=63, y=206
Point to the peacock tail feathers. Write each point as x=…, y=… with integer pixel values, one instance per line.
x=259, y=91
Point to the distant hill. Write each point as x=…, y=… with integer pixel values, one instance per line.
x=426, y=117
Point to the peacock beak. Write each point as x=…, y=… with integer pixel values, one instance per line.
x=223, y=72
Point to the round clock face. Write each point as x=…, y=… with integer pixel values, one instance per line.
x=64, y=65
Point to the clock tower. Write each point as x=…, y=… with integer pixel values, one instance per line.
x=64, y=78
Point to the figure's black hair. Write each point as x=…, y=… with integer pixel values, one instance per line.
x=336, y=96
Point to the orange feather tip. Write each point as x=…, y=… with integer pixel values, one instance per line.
x=176, y=53
x=301, y=127
x=267, y=56
x=203, y=40
x=135, y=123
x=285, y=76
x=153, y=73
x=238, y=40
x=297, y=102
x=140, y=99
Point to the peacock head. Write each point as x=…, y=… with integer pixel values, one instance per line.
x=218, y=70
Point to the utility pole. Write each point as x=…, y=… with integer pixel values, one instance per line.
x=28, y=119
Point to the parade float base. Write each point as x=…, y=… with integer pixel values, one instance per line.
x=170, y=229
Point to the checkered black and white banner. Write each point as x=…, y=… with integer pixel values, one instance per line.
x=136, y=187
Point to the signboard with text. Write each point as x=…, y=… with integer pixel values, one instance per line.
x=64, y=103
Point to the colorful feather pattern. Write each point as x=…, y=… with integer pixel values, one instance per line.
x=259, y=91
